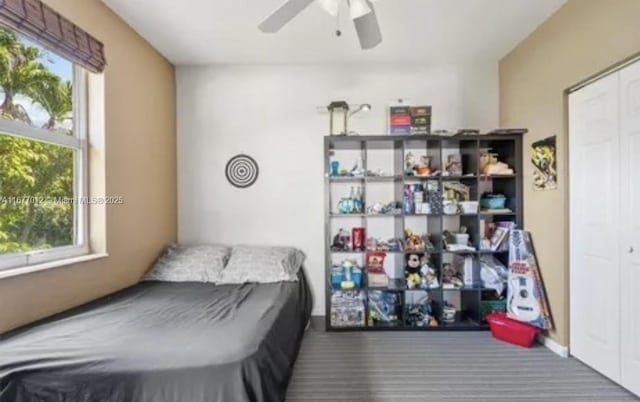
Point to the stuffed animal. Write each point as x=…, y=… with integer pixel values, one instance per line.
x=429, y=274
x=412, y=271
x=414, y=241
x=451, y=278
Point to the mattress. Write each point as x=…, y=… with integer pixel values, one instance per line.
x=160, y=341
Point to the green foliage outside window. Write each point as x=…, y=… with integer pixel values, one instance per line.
x=34, y=176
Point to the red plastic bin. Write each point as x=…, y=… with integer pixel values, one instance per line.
x=512, y=331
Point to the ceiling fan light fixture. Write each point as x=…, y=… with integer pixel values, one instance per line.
x=330, y=6
x=358, y=8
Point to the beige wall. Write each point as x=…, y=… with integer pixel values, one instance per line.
x=140, y=166
x=583, y=38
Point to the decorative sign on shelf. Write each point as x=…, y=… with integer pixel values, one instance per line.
x=242, y=171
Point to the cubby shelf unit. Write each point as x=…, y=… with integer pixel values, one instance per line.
x=368, y=150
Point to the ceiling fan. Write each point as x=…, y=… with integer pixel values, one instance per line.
x=361, y=12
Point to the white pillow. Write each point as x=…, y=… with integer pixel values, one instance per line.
x=202, y=263
x=262, y=265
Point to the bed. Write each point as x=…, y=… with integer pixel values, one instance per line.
x=162, y=341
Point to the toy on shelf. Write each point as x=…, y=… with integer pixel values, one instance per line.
x=390, y=245
x=383, y=308
x=347, y=275
x=490, y=165
x=412, y=271
x=390, y=208
x=453, y=167
x=354, y=204
x=347, y=309
x=335, y=168
x=355, y=171
x=341, y=241
x=429, y=274
x=378, y=173
x=416, y=242
x=457, y=242
x=421, y=314
x=420, y=273
x=448, y=313
x=451, y=278
x=376, y=275
x=456, y=191
x=418, y=167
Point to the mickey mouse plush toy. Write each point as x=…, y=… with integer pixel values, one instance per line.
x=412, y=271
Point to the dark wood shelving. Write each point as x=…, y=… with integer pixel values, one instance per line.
x=463, y=177
x=382, y=179
x=509, y=149
x=394, y=285
x=345, y=179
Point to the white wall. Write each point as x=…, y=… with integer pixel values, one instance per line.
x=270, y=113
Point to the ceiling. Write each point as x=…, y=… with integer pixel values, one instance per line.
x=191, y=32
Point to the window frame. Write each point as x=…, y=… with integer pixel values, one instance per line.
x=79, y=143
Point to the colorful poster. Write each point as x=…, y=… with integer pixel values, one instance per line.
x=543, y=158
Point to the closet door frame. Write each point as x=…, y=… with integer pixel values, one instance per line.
x=594, y=225
x=628, y=72
x=630, y=211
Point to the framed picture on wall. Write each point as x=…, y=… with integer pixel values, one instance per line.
x=543, y=159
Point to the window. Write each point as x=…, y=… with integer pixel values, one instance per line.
x=43, y=154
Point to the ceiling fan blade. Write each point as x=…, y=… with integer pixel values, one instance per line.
x=330, y=6
x=283, y=15
x=368, y=29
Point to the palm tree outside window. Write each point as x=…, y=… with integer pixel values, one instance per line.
x=42, y=154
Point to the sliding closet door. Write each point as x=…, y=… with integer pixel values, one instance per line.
x=630, y=212
x=594, y=223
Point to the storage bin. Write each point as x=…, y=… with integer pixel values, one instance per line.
x=491, y=306
x=512, y=331
x=493, y=202
x=469, y=207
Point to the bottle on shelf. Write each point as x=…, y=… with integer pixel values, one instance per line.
x=356, y=200
x=408, y=202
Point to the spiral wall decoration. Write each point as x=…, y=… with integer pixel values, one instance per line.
x=242, y=171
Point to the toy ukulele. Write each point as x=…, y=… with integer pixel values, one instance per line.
x=526, y=300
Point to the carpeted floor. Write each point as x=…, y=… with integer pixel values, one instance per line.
x=435, y=366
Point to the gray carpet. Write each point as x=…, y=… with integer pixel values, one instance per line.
x=435, y=366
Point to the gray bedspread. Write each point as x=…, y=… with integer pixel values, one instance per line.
x=158, y=341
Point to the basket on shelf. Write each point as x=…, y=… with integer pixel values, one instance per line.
x=491, y=306
x=493, y=201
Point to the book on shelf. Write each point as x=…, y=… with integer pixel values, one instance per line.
x=420, y=120
x=500, y=234
x=399, y=120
